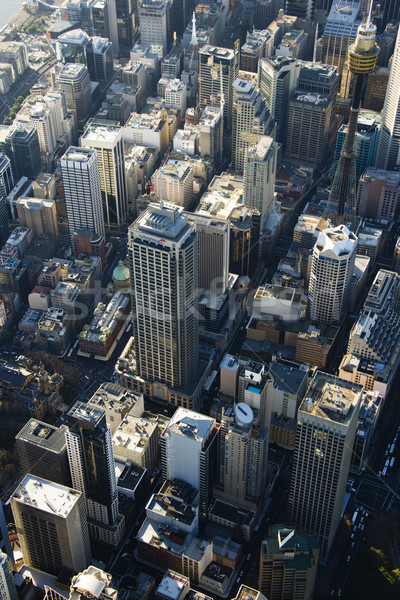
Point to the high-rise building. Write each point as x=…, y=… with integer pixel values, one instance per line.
x=163, y=251
x=42, y=451
x=388, y=154
x=74, y=80
x=332, y=265
x=366, y=141
x=22, y=148
x=188, y=451
x=100, y=60
x=251, y=120
x=91, y=460
x=304, y=9
x=39, y=215
x=391, y=12
x=7, y=586
x=211, y=141
x=51, y=525
x=175, y=178
x=156, y=27
x=127, y=18
x=210, y=60
x=81, y=180
x=72, y=46
x=213, y=235
x=277, y=79
x=340, y=31
x=327, y=424
x=259, y=175
x=243, y=453
x=6, y=185
x=288, y=564
x=378, y=194
x=106, y=139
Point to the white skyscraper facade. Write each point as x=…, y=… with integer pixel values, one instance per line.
x=388, y=154
x=107, y=140
x=155, y=28
x=81, y=180
x=259, y=175
x=163, y=251
x=332, y=265
x=186, y=444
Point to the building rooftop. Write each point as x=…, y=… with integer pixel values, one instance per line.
x=287, y=379
x=97, y=132
x=43, y=435
x=311, y=98
x=221, y=53
x=88, y=413
x=331, y=398
x=75, y=36
x=47, y=496
x=338, y=240
x=133, y=433
x=190, y=424
x=105, y=318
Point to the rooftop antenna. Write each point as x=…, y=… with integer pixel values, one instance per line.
x=369, y=13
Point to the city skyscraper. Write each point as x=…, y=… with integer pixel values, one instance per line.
x=388, y=154
x=163, y=253
x=326, y=427
x=74, y=80
x=21, y=145
x=51, y=525
x=6, y=185
x=251, y=120
x=188, y=451
x=7, y=586
x=91, y=460
x=332, y=265
x=259, y=175
x=81, y=180
x=210, y=59
x=106, y=139
x=156, y=26
x=277, y=79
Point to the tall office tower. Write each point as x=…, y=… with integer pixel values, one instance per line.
x=213, y=235
x=288, y=564
x=259, y=175
x=277, y=79
x=42, y=451
x=51, y=525
x=107, y=140
x=211, y=142
x=156, y=27
x=48, y=114
x=251, y=120
x=388, y=154
x=188, y=451
x=127, y=18
x=163, y=250
x=71, y=47
x=243, y=455
x=362, y=59
x=332, y=265
x=39, y=215
x=81, y=181
x=91, y=461
x=210, y=89
x=23, y=150
x=340, y=31
x=391, y=12
x=300, y=8
x=378, y=194
x=6, y=185
x=100, y=60
x=7, y=586
x=175, y=178
x=366, y=142
x=74, y=80
x=326, y=427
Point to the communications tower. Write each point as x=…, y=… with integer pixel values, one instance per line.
x=362, y=57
